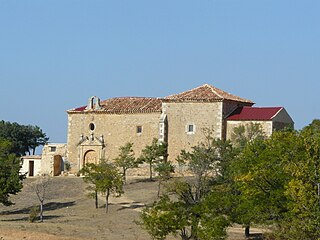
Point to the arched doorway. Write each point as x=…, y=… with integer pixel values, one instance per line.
x=90, y=157
x=57, y=165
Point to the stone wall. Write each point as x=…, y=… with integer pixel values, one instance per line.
x=105, y=133
x=51, y=151
x=199, y=114
x=266, y=127
x=228, y=108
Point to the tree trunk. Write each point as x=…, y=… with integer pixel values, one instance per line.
x=184, y=234
x=124, y=176
x=96, y=198
x=33, y=151
x=41, y=211
x=107, y=200
x=247, y=231
x=150, y=169
x=159, y=188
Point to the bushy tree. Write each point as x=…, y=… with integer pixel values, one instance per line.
x=278, y=182
x=126, y=159
x=10, y=178
x=164, y=169
x=163, y=218
x=90, y=172
x=24, y=138
x=191, y=204
x=105, y=179
x=153, y=154
x=246, y=133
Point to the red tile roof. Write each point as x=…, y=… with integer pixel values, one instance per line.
x=127, y=105
x=80, y=109
x=131, y=105
x=254, y=113
x=119, y=105
x=206, y=93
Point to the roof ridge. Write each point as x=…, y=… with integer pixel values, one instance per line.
x=184, y=91
x=280, y=108
x=213, y=89
x=132, y=97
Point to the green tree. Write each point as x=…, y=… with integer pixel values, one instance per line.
x=106, y=179
x=126, y=159
x=153, y=154
x=36, y=138
x=278, y=181
x=164, y=169
x=10, y=178
x=191, y=204
x=24, y=138
x=90, y=172
x=302, y=220
x=163, y=218
x=246, y=133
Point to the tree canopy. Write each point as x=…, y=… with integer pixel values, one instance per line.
x=278, y=183
x=10, y=178
x=104, y=178
x=153, y=154
x=126, y=159
x=192, y=206
x=273, y=182
x=24, y=138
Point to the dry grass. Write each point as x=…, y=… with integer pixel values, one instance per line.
x=70, y=214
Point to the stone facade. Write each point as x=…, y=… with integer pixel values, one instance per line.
x=53, y=158
x=101, y=135
x=201, y=115
x=266, y=126
x=97, y=130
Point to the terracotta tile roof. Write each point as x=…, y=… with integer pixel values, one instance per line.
x=121, y=105
x=206, y=93
x=254, y=113
x=132, y=105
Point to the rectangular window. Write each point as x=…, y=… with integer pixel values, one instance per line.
x=190, y=128
x=53, y=149
x=139, y=129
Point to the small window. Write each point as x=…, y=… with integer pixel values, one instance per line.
x=190, y=128
x=53, y=149
x=91, y=126
x=139, y=129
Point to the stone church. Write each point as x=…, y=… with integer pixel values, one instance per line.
x=97, y=130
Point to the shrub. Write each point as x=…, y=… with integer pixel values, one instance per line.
x=34, y=213
x=67, y=166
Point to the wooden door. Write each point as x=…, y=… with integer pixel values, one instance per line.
x=90, y=157
x=31, y=168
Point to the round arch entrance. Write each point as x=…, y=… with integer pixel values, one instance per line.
x=90, y=157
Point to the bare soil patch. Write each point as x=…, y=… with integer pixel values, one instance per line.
x=69, y=214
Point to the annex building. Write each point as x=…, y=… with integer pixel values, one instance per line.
x=97, y=130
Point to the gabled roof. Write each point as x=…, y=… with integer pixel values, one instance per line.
x=120, y=105
x=127, y=105
x=206, y=93
x=254, y=113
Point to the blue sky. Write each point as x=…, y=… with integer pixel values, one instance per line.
x=55, y=54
